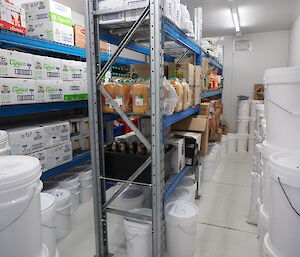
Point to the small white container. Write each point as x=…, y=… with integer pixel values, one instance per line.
x=70, y=181
x=284, y=196
x=4, y=143
x=181, y=229
x=268, y=248
x=48, y=211
x=20, y=211
x=138, y=234
x=191, y=185
x=232, y=142
x=243, y=125
x=224, y=145
x=263, y=225
x=243, y=108
x=63, y=212
x=242, y=142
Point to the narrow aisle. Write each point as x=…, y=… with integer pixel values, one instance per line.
x=222, y=225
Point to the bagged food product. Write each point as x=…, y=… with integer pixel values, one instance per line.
x=110, y=87
x=140, y=97
x=178, y=87
x=185, y=97
x=170, y=98
x=123, y=95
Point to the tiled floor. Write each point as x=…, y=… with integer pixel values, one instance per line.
x=222, y=227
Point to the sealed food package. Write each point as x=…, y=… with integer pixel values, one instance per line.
x=110, y=87
x=140, y=97
x=123, y=96
x=185, y=96
x=170, y=98
x=191, y=96
x=178, y=87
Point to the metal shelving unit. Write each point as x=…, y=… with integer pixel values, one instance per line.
x=151, y=25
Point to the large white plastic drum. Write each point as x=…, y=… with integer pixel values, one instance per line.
x=263, y=226
x=181, y=228
x=268, y=248
x=180, y=193
x=138, y=233
x=20, y=207
x=243, y=125
x=285, y=203
x=232, y=142
x=283, y=107
x=243, y=108
x=191, y=185
x=70, y=181
x=63, y=212
x=4, y=143
x=224, y=145
x=242, y=143
x=48, y=211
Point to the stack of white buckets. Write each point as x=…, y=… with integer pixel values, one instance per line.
x=279, y=221
x=243, y=122
x=211, y=161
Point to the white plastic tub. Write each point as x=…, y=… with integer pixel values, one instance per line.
x=4, y=143
x=181, y=229
x=138, y=233
x=224, y=145
x=70, y=181
x=242, y=142
x=191, y=185
x=48, y=211
x=283, y=107
x=268, y=248
x=243, y=108
x=263, y=226
x=20, y=213
x=63, y=212
x=232, y=142
x=208, y=165
x=253, y=212
x=243, y=125
x=284, y=196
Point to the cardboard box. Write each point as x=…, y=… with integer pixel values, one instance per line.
x=17, y=91
x=205, y=65
x=85, y=144
x=73, y=70
x=145, y=126
x=205, y=109
x=49, y=91
x=183, y=70
x=258, y=93
x=178, y=155
x=74, y=90
x=111, y=5
x=59, y=155
x=192, y=123
x=47, y=67
x=224, y=126
x=6, y=68
x=187, y=60
x=104, y=47
x=76, y=143
x=56, y=133
x=79, y=36
x=26, y=140
x=134, y=14
x=42, y=157
x=198, y=76
x=204, y=140
x=111, y=18
x=84, y=126
x=12, y=17
x=140, y=71
x=196, y=95
x=135, y=4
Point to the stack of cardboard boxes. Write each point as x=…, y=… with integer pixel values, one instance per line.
x=80, y=134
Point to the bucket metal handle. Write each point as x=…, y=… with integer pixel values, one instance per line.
x=282, y=108
x=289, y=201
x=22, y=212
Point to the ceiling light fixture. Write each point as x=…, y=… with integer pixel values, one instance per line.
x=236, y=19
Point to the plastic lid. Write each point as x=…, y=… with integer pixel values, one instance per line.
x=18, y=170
x=181, y=209
x=282, y=75
x=142, y=211
x=187, y=182
x=3, y=136
x=131, y=193
x=62, y=196
x=268, y=149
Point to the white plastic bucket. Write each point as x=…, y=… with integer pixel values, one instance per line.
x=282, y=107
x=224, y=145
x=138, y=233
x=191, y=185
x=242, y=143
x=243, y=125
x=20, y=211
x=253, y=108
x=267, y=151
x=232, y=143
x=147, y=197
x=70, y=181
x=284, y=196
x=48, y=211
x=268, y=248
x=260, y=113
x=263, y=224
x=181, y=228
x=4, y=143
x=253, y=212
x=244, y=108
x=50, y=186
x=180, y=193
x=63, y=212
x=208, y=165
x=132, y=198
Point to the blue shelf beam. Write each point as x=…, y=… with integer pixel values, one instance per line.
x=214, y=62
x=25, y=109
x=174, y=181
x=211, y=93
x=77, y=160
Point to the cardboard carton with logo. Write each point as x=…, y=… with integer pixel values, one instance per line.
x=47, y=67
x=42, y=157
x=182, y=70
x=49, y=90
x=79, y=36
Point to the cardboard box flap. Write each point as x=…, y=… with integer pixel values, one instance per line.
x=196, y=124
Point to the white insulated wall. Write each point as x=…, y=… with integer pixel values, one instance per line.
x=294, y=49
x=243, y=70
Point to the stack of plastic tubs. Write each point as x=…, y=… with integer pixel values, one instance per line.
x=243, y=122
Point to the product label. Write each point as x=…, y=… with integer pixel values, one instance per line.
x=139, y=100
x=60, y=19
x=119, y=100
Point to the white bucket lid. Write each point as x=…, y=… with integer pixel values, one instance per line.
x=286, y=166
x=47, y=207
x=131, y=193
x=180, y=193
x=268, y=149
x=18, y=170
x=139, y=222
x=282, y=75
x=187, y=182
x=68, y=179
x=181, y=210
x=3, y=136
x=268, y=247
x=62, y=197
